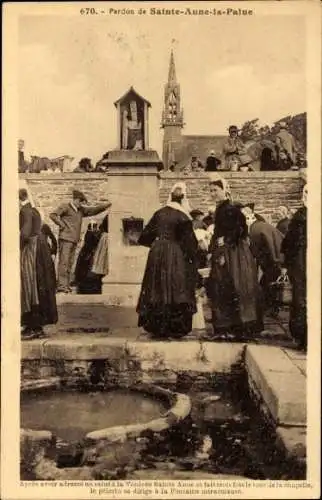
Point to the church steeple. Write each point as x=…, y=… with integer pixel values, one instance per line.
x=172, y=79
x=172, y=116
x=172, y=113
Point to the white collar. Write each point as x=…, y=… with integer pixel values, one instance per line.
x=25, y=202
x=73, y=206
x=177, y=206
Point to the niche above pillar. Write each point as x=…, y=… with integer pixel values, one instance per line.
x=133, y=122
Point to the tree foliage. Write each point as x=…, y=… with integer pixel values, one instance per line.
x=250, y=130
x=84, y=165
x=297, y=126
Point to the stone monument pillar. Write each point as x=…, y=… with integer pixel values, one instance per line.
x=134, y=192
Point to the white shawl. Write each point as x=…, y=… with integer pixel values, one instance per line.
x=23, y=185
x=184, y=206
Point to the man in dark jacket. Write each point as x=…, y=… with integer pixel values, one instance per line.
x=265, y=244
x=212, y=163
x=68, y=217
x=284, y=219
x=251, y=206
x=294, y=248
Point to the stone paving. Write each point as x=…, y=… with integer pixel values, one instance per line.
x=89, y=315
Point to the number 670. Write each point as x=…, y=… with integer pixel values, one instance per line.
x=88, y=10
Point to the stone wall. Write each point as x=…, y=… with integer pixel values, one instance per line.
x=125, y=361
x=49, y=191
x=267, y=190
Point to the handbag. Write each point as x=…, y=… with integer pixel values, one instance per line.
x=283, y=289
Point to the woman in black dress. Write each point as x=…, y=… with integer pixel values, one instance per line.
x=51, y=239
x=167, y=300
x=38, y=281
x=294, y=248
x=232, y=286
x=92, y=261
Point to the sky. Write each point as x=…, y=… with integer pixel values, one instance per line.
x=72, y=69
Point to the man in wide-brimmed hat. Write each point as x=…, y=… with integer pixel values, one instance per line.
x=68, y=217
x=286, y=143
x=233, y=148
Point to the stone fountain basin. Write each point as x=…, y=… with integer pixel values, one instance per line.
x=177, y=408
x=177, y=365
x=180, y=407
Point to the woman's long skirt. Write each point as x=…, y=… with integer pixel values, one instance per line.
x=86, y=280
x=234, y=291
x=38, y=284
x=100, y=259
x=167, y=300
x=298, y=307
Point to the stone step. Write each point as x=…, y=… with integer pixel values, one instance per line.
x=280, y=382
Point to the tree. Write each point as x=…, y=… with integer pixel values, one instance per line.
x=264, y=131
x=250, y=130
x=84, y=165
x=296, y=125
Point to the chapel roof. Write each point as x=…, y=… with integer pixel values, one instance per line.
x=132, y=91
x=198, y=145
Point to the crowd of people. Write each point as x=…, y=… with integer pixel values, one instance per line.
x=232, y=254
x=278, y=154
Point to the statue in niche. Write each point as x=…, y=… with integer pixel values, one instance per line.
x=132, y=126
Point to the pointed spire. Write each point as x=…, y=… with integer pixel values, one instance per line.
x=172, y=70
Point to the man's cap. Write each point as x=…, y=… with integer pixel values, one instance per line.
x=233, y=128
x=79, y=195
x=23, y=194
x=249, y=205
x=196, y=212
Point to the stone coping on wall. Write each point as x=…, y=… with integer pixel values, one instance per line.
x=287, y=174
x=174, y=356
x=65, y=176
